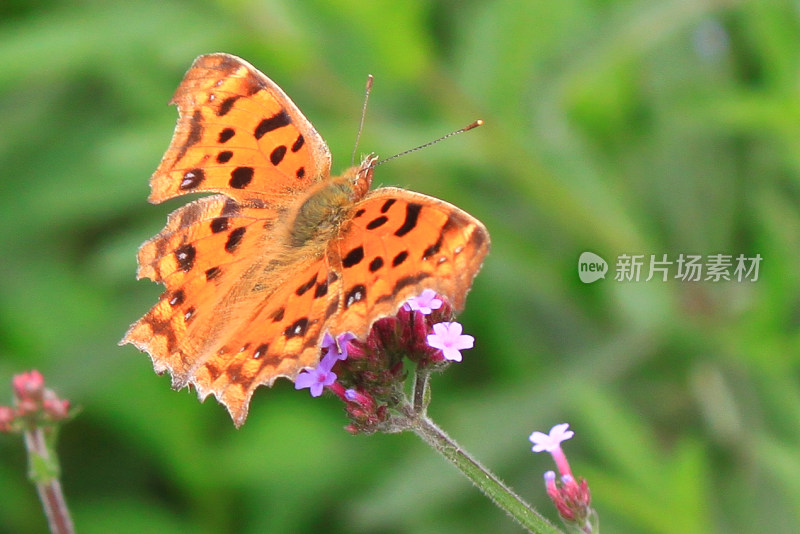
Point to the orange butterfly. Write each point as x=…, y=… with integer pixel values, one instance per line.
x=257, y=275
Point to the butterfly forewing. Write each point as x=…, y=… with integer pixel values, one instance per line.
x=239, y=134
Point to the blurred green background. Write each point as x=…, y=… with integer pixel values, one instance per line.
x=612, y=126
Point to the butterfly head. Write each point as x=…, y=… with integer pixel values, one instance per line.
x=361, y=176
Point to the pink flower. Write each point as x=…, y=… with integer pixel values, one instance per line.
x=28, y=386
x=552, y=443
x=425, y=303
x=316, y=379
x=448, y=338
x=571, y=497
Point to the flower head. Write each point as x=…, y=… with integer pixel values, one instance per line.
x=425, y=303
x=28, y=386
x=448, y=338
x=316, y=379
x=34, y=404
x=571, y=497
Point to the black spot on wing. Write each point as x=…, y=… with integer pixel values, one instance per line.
x=356, y=294
x=213, y=273
x=226, y=134
x=434, y=248
x=276, y=156
x=261, y=350
x=241, y=177
x=297, y=328
x=321, y=290
x=410, y=222
x=377, y=222
x=227, y=105
x=305, y=287
x=353, y=257
x=192, y=179
x=220, y=224
x=234, y=239
x=279, y=120
x=375, y=264
x=177, y=298
x=387, y=205
x=400, y=258
x=185, y=256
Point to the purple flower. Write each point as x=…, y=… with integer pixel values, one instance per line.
x=448, y=338
x=337, y=348
x=425, y=303
x=316, y=379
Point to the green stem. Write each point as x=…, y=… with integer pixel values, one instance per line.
x=420, y=391
x=503, y=496
x=44, y=473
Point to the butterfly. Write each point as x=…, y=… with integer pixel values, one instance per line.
x=282, y=252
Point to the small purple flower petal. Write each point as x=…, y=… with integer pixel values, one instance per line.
x=425, y=303
x=316, y=379
x=339, y=350
x=448, y=338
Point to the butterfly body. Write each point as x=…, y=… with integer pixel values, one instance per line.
x=319, y=215
x=282, y=253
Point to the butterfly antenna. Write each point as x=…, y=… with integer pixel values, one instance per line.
x=363, y=114
x=475, y=124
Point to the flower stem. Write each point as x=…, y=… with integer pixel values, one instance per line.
x=420, y=392
x=44, y=473
x=503, y=496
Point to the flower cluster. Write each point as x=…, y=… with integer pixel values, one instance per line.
x=368, y=375
x=570, y=496
x=34, y=404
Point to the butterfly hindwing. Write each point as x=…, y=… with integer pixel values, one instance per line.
x=397, y=244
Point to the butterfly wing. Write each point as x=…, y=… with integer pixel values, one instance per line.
x=201, y=254
x=239, y=134
x=397, y=244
